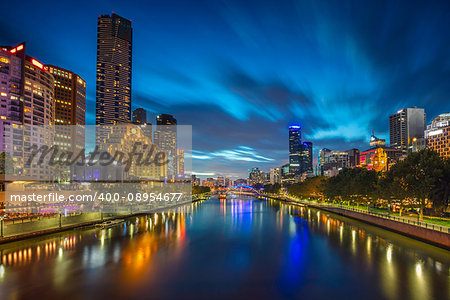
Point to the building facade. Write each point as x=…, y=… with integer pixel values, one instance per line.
x=404, y=126
x=275, y=175
x=306, y=157
x=165, y=137
x=27, y=110
x=70, y=109
x=140, y=116
x=437, y=135
x=295, y=139
x=114, y=65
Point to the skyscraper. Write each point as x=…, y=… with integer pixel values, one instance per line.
x=114, y=64
x=139, y=116
x=165, y=137
x=295, y=139
x=404, y=126
x=27, y=98
x=165, y=119
x=306, y=157
x=275, y=175
x=70, y=108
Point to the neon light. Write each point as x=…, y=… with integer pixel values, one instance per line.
x=37, y=64
x=13, y=50
x=20, y=47
x=295, y=126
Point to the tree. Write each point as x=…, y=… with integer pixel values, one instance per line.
x=272, y=188
x=197, y=189
x=441, y=193
x=417, y=176
x=312, y=187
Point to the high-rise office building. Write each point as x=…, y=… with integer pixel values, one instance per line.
x=438, y=135
x=353, y=157
x=70, y=109
x=404, y=126
x=295, y=139
x=165, y=137
x=139, y=116
x=114, y=64
x=275, y=175
x=255, y=176
x=26, y=99
x=331, y=162
x=306, y=157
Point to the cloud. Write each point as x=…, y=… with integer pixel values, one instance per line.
x=241, y=153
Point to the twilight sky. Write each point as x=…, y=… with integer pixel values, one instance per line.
x=241, y=71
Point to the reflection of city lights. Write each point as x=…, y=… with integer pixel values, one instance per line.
x=60, y=252
x=419, y=269
x=2, y=271
x=389, y=253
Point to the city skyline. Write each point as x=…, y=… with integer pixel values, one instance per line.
x=326, y=70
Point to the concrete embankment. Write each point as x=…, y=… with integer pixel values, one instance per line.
x=431, y=236
x=434, y=237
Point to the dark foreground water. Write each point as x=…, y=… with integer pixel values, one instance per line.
x=242, y=248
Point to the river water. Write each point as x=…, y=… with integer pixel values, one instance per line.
x=235, y=248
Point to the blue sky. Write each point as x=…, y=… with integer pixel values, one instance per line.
x=240, y=72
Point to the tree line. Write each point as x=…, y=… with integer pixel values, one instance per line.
x=421, y=182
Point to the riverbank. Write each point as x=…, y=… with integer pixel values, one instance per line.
x=428, y=235
x=38, y=233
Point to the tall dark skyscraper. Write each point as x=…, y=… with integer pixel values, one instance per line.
x=113, y=90
x=295, y=140
x=140, y=116
x=404, y=126
x=306, y=157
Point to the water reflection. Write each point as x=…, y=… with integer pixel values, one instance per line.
x=237, y=246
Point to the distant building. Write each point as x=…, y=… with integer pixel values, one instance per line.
x=353, y=158
x=240, y=181
x=295, y=140
x=438, y=135
x=374, y=141
x=195, y=180
x=139, y=116
x=418, y=144
x=306, y=157
x=220, y=181
x=255, y=176
x=180, y=162
x=208, y=183
x=275, y=175
x=380, y=158
x=404, y=126
x=332, y=160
